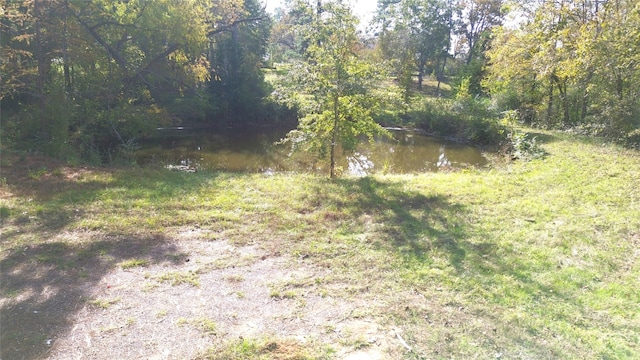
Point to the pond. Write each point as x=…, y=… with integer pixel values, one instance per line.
x=259, y=151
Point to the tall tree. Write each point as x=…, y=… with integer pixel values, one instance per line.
x=287, y=42
x=476, y=18
x=236, y=54
x=151, y=42
x=15, y=39
x=417, y=34
x=340, y=83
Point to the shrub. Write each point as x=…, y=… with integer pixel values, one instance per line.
x=524, y=147
x=465, y=119
x=632, y=139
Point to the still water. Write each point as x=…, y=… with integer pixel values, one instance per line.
x=258, y=151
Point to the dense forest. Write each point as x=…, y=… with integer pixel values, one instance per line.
x=88, y=79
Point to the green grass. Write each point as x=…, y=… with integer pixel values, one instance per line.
x=133, y=263
x=533, y=259
x=103, y=303
x=262, y=349
x=180, y=277
x=207, y=326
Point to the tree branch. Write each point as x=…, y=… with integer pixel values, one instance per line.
x=155, y=59
x=111, y=51
x=235, y=23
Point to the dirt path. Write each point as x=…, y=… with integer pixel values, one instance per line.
x=174, y=298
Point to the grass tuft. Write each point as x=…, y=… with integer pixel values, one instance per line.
x=264, y=349
x=180, y=277
x=103, y=303
x=132, y=263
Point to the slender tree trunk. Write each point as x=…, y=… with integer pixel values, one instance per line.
x=562, y=90
x=65, y=54
x=441, y=73
x=42, y=68
x=471, y=53
x=334, y=136
x=585, y=95
x=550, y=104
x=319, y=18
x=113, y=53
x=619, y=86
x=39, y=50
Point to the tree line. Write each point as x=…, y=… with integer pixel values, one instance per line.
x=90, y=77
x=571, y=64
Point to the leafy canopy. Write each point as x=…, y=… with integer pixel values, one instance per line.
x=336, y=89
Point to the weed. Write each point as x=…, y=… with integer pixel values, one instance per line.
x=360, y=343
x=258, y=349
x=131, y=263
x=231, y=261
x=275, y=294
x=180, y=277
x=525, y=147
x=9, y=294
x=37, y=174
x=279, y=292
x=103, y=303
x=235, y=278
x=289, y=294
x=208, y=326
x=109, y=329
x=178, y=258
x=5, y=212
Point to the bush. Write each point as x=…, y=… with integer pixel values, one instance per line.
x=632, y=139
x=465, y=119
x=524, y=147
x=40, y=127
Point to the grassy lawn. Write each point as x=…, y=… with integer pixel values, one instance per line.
x=526, y=260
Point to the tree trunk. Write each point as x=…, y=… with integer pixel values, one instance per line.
x=550, y=104
x=585, y=95
x=441, y=73
x=562, y=90
x=471, y=53
x=113, y=53
x=334, y=136
x=65, y=54
x=39, y=50
x=619, y=86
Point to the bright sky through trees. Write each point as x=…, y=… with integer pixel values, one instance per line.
x=363, y=9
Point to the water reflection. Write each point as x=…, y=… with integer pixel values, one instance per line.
x=443, y=162
x=359, y=165
x=405, y=152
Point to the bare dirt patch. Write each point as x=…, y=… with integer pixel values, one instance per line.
x=187, y=296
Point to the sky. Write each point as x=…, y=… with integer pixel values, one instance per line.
x=364, y=9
